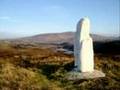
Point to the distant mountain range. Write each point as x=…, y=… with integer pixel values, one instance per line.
x=102, y=44
x=59, y=38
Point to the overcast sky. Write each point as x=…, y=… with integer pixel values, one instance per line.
x=30, y=17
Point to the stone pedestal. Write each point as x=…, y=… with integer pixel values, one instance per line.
x=75, y=75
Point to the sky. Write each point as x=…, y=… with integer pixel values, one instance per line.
x=19, y=18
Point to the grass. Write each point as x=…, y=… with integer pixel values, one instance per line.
x=17, y=78
x=44, y=69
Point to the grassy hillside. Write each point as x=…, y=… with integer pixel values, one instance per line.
x=35, y=68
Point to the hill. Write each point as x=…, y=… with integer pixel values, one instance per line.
x=58, y=38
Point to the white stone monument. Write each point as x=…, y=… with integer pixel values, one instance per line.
x=83, y=52
x=83, y=47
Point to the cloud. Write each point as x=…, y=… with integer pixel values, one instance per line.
x=53, y=8
x=59, y=12
x=5, y=18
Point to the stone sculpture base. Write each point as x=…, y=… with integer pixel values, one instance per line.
x=75, y=75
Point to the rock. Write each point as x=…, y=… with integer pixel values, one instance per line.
x=83, y=50
x=84, y=55
x=75, y=75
